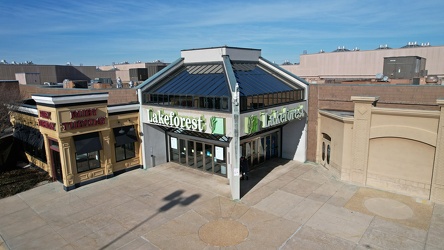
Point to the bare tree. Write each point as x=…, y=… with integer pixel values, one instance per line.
x=9, y=95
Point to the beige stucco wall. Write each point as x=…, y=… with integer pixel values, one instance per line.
x=389, y=149
x=334, y=129
x=402, y=150
x=340, y=132
x=401, y=165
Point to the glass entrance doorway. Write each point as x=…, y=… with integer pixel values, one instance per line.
x=204, y=156
x=260, y=149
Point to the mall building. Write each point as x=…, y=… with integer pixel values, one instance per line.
x=214, y=105
x=78, y=138
x=203, y=111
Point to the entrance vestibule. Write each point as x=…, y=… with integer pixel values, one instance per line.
x=200, y=155
x=260, y=149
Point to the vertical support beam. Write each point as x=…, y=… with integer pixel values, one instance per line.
x=235, y=143
x=361, y=136
x=141, y=128
x=437, y=190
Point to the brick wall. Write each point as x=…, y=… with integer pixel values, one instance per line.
x=116, y=96
x=338, y=97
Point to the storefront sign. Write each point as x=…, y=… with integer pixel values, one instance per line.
x=172, y=119
x=45, y=114
x=47, y=124
x=173, y=142
x=276, y=118
x=253, y=124
x=219, y=153
x=89, y=122
x=83, y=113
x=217, y=125
x=44, y=123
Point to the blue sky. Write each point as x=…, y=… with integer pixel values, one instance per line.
x=101, y=32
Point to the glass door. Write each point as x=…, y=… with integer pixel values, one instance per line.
x=174, y=149
x=247, y=152
x=254, y=153
x=183, y=151
x=261, y=149
x=208, y=158
x=274, y=145
x=220, y=161
x=199, y=156
x=191, y=157
x=57, y=165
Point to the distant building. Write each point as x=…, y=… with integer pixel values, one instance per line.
x=343, y=64
x=58, y=73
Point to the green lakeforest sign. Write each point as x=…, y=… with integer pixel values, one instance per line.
x=254, y=123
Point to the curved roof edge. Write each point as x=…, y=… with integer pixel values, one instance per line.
x=154, y=77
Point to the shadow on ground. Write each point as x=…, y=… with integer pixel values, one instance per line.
x=258, y=173
x=173, y=199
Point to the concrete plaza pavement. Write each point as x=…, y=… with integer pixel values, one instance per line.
x=284, y=205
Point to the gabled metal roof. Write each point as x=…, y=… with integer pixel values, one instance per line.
x=210, y=79
x=254, y=80
x=203, y=80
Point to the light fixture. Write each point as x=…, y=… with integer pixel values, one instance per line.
x=121, y=131
x=132, y=125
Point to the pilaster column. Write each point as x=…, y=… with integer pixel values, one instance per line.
x=437, y=192
x=107, y=152
x=67, y=161
x=361, y=136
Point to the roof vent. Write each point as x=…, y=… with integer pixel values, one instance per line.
x=341, y=49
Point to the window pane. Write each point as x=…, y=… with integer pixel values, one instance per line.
x=94, y=160
x=266, y=100
x=82, y=162
x=328, y=154
x=220, y=164
x=130, y=150
x=323, y=151
x=120, y=153
x=195, y=102
x=243, y=103
x=210, y=102
x=250, y=102
x=217, y=103
x=275, y=98
x=146, y=98
x=260, y=101
x=224, y=103
x=174, y=100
